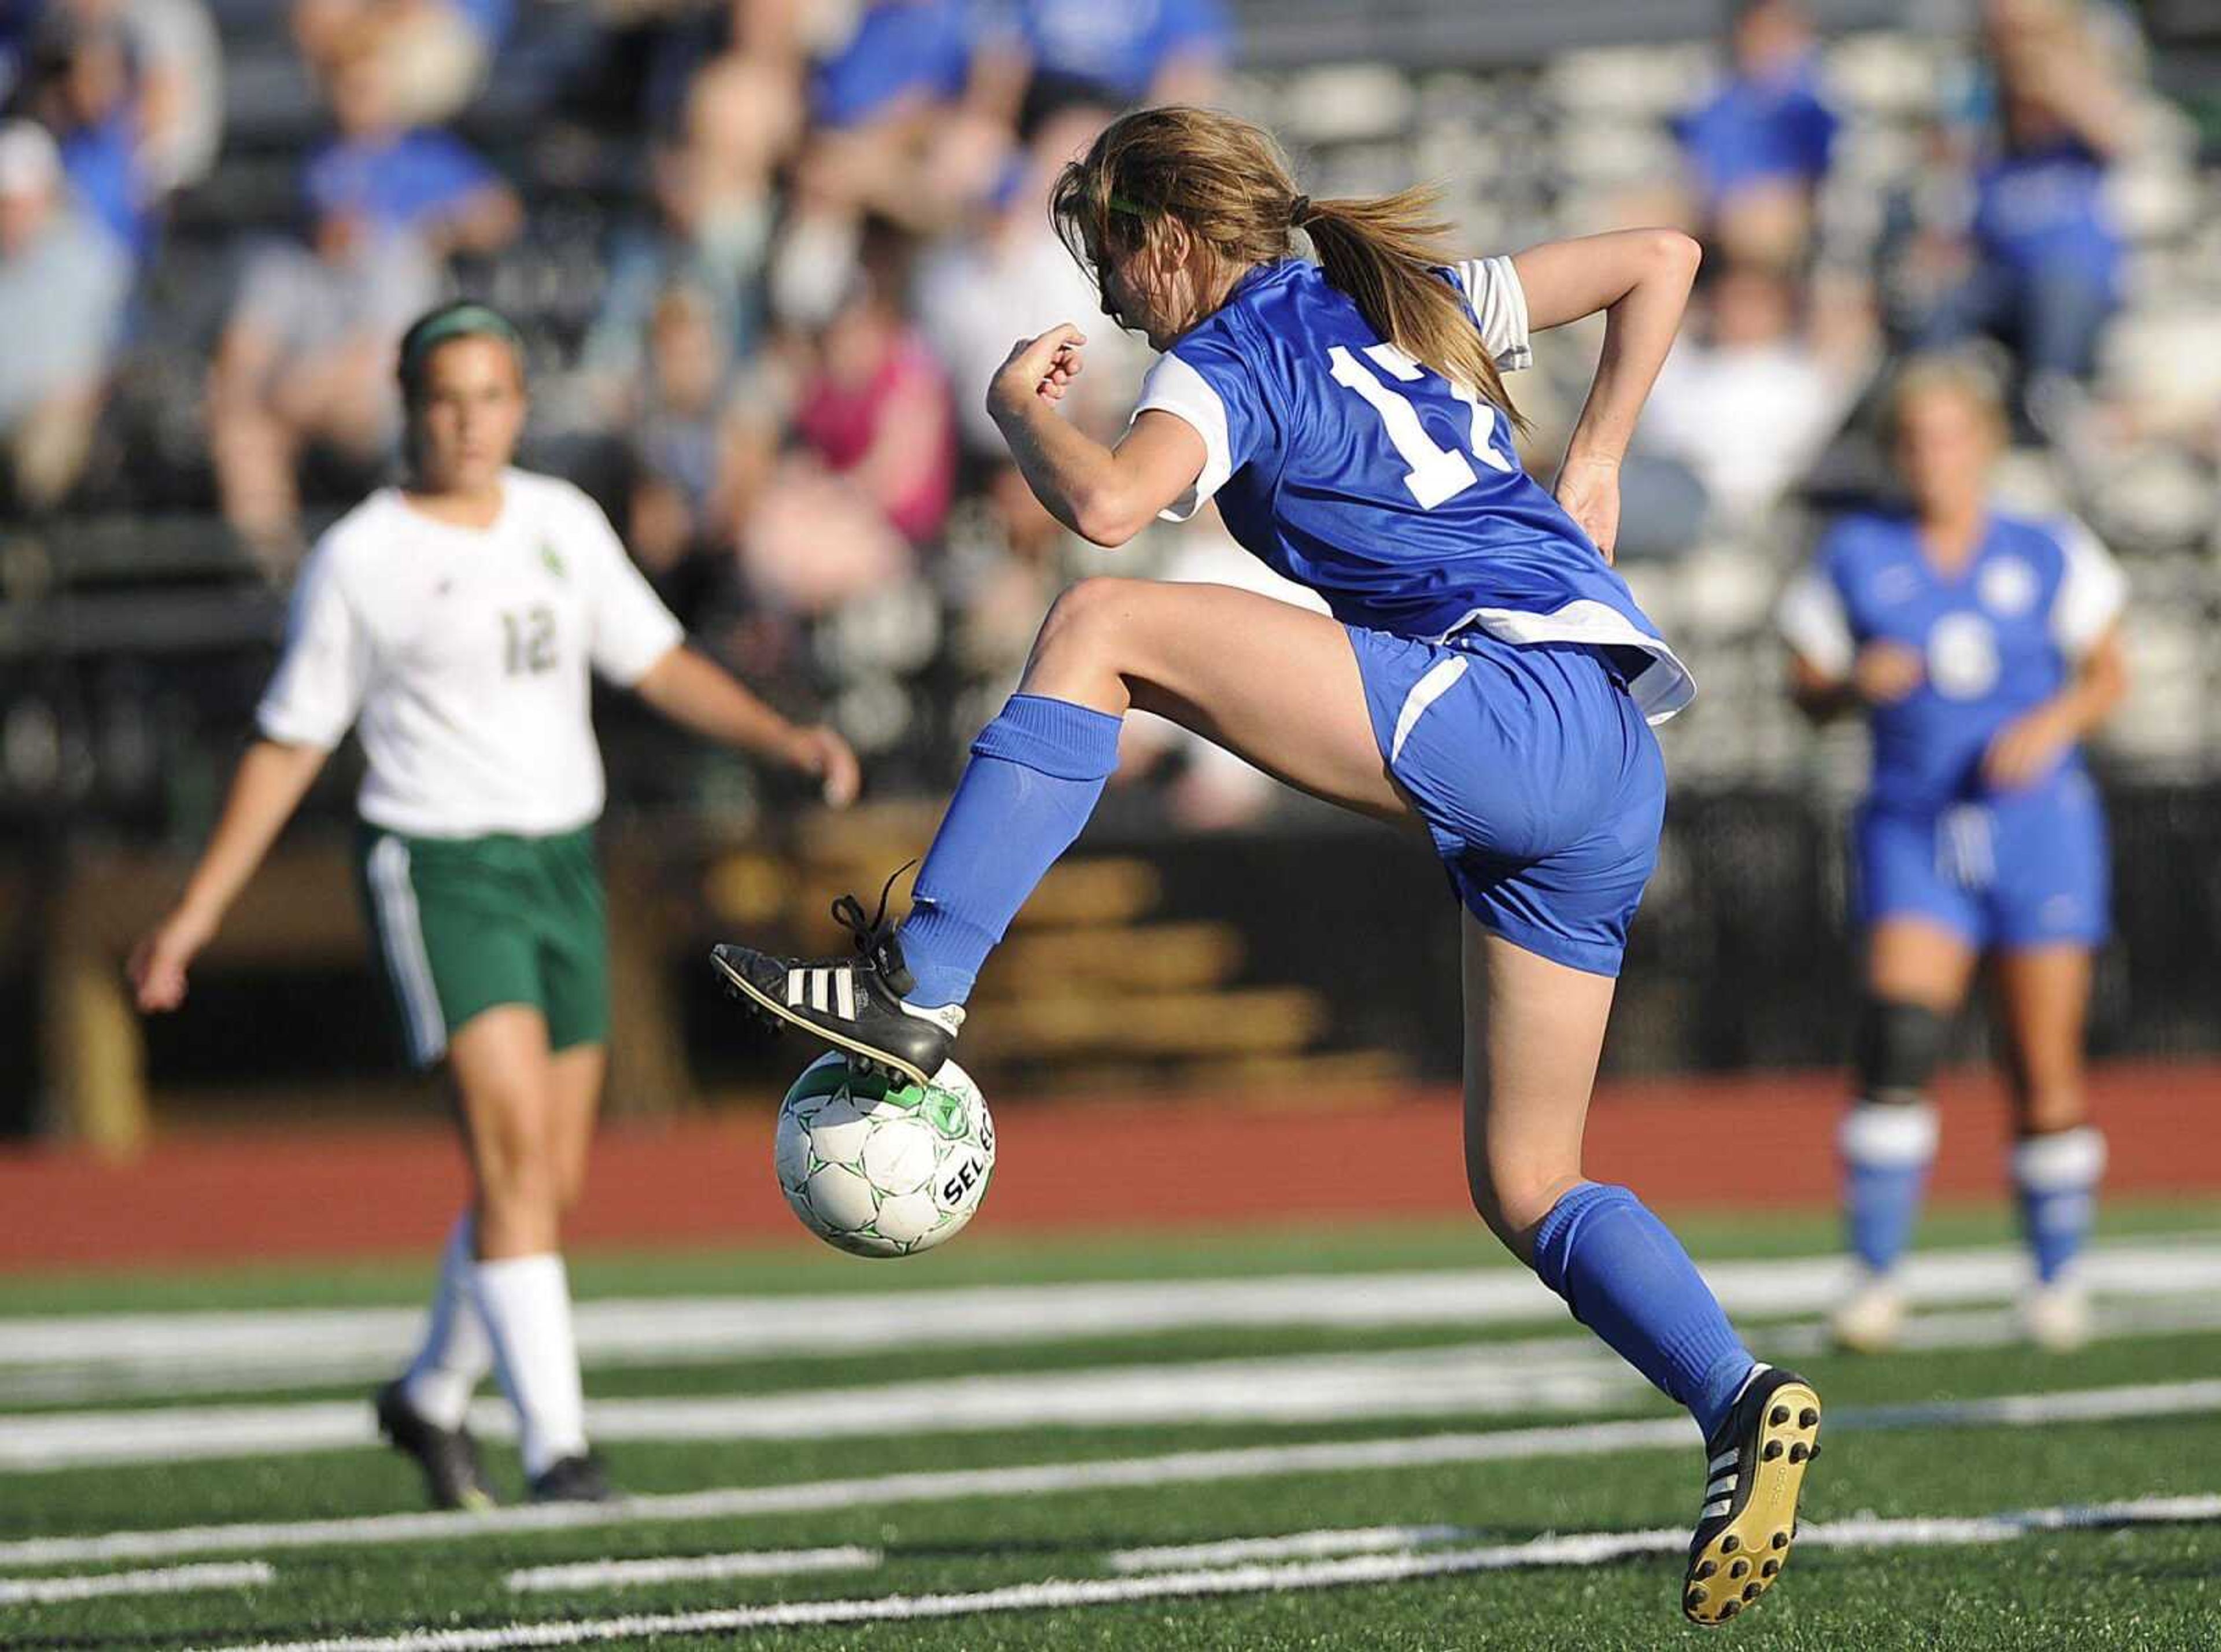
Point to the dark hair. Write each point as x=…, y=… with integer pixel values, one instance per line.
x=462, y=318
x=1227, y=183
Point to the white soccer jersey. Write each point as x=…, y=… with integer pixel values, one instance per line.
x=463, y=655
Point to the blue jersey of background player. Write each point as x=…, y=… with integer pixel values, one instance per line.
x=1484, y=677
x=1981, y=647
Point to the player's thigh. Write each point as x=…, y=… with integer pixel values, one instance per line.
x=503, y=1077
x=1534, y=1033
x=2043, y=997
x=1918, y=960
x=1276, y=684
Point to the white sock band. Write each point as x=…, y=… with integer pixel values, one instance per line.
x=2063, y=1162
x=1881, y=1135
x=456, y=1354
x=527, y=1303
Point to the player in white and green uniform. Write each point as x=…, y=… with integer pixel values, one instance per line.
x=452, y=622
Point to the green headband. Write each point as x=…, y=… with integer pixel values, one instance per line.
x=465, y=320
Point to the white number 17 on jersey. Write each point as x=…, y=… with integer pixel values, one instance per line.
x=1435, y=473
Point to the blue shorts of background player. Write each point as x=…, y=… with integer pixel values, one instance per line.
x=1539, y=781
x=2018, y=870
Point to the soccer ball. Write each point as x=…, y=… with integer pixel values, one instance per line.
x=877, y=1167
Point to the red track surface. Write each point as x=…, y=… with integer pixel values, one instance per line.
x=228, y=1198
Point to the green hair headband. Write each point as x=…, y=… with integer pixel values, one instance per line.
x=468, y=319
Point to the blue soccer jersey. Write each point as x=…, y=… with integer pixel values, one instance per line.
x=1392, y=492
x=1996, y=638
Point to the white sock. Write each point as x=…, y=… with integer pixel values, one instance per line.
x=455, y=1355
x=527, y=1303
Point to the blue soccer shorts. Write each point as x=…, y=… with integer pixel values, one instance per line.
x=2020, y=869
x=1537, y=777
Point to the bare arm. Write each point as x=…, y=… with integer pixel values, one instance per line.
x=268, y=786
x=1104, y=494
x=1640, y=280
x=2025, y=750
x=697, y=693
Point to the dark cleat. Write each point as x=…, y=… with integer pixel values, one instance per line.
x=855, y=1005
x=449, y=1457
x=1755, y=1464
x=573, y=1480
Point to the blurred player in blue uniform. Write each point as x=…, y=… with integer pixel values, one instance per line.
x=1982, y=648
x=1484, y=678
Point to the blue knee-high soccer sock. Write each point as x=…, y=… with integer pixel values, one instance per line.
x=2056, y=1179
x=1627, y=1279
x=1036, y=774
x=1886, y=1147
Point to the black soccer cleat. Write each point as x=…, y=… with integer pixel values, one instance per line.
x=1755, y=1466
x=449, y=1457
x=572, y=1479
x=855, y=1005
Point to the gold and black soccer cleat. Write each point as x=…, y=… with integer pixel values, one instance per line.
x=1754, y=1467
x=449, y=1457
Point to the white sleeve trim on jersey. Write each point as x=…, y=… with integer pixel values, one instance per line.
x=1174, y=387
x=1813, y=621
x=2092, y=591
x=1499, y=304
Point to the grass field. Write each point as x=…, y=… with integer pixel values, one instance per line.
x=1360, y=1436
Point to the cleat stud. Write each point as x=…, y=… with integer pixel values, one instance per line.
x=1693, y=1599
x=1773, y=1450
x=1808, y=1418
x=1770, y=1569
x=1740, y=1569
x=1798, y=1453
x=1706, y=1568
x=1781, y=1540
x=1729, y=1608
x=1752, y=1591
x=1730, y=1543
x=1778, y=1416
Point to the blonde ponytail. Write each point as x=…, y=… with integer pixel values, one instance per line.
x=1227, y=184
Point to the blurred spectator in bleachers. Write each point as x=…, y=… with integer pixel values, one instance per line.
x=866, y=483
x=1763, y=375
x=1143, y=52
x=398, y=178
x=305, y=362
x=1758, y=149
x=2042, y=256
x=79, y=85
x=1007, y=275
x=714, y=205
x=435, y=53
x=685, y=491
x=176, y=63
x=64, y=282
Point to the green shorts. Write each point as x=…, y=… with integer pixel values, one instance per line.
x=464, y=923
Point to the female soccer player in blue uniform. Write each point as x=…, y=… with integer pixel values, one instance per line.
x=1982, y=648
x=1486, y=677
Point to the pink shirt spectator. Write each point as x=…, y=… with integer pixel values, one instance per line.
x=890, y=430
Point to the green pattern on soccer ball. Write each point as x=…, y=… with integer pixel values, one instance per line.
x=946, y=1112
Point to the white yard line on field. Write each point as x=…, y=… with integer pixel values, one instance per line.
x=86, y=1355
x=1037, y=1479
x=173, y=1579
x=1532, y=1377
x=1295, y=1546
x=1585, y=1548
x=753, y=1564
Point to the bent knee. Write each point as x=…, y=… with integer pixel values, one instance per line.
x=1089, y=613
x=1513, y=1200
